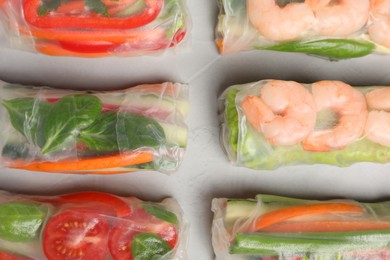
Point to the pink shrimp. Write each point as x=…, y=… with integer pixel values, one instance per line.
x=284, y=114
x=339, y=18
x=278, y=23
x=350, y=106
x=379, y=30
x=378, y=123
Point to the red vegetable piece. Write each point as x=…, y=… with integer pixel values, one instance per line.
x=88, y=46
x=91, y=21
x=101, y=200
x=139, y=222
x=76, y=234
x=8, y=256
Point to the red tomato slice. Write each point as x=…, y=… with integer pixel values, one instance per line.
x=99, y=202
x=76, y=234
x=7, y=256
x=139, y=222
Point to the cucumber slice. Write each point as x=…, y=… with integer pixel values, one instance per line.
x=237, y=209
x=175, y=134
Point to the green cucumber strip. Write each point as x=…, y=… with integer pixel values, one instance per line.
x=236, y=209
x=175, y=134
x=332, y=48
x=322, y=242
x=161, y=213
x=132, y=9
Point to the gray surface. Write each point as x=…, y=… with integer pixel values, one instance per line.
x=205, y=172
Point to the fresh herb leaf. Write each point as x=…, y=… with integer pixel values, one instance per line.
x=48, y=6
x=160, y=213
x=135, y=131
x=147, y=246
x=101, y=135
x=28, y=117
x=97, y=6
x=69, y=116
x=20, y=221
x=15, y=151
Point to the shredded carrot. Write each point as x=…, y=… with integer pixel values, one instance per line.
x=104, y=162
x=219, y=43
x=280, y=215
x=326, y=226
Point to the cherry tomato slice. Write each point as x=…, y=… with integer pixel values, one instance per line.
x=8, y=256
x=76, y=234
x=139, y=222
x=99, y=202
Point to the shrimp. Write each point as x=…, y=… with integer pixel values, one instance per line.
x=379, y=99
x=379, y=30
x=378, y=127
x=285, y=112
x=339, y=18
x=350, y=106
x=378, y=123
x=280, y=23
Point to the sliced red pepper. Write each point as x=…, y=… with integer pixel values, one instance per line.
x=89, y=46
x=98, y=198
x=148, y=14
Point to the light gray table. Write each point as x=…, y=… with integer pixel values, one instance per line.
x=205, y=172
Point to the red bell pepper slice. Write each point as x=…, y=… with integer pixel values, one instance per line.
x=148, y=14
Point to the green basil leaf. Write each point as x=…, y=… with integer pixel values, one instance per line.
x=332, y=48
x=28, y=116
x=97, y=6
x=20, y=222
x=69, y=116
x=135, y=131
x=160, y=213
x=101, y=135
x=147, y=246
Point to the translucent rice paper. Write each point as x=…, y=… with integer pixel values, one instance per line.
x=279, y=228
x=273, y=123
x=90, y=225
x=139, y=128
x=346, y=29
x=94, y=28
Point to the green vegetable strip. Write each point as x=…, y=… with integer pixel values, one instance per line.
x=332, y=48
x=297, y=243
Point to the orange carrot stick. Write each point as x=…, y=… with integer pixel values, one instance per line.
x=219, y=43
x=104, y=162
x=280, y=215
x=327, y=226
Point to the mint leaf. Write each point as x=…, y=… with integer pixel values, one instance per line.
x=135, y=131
x=48, y=6
x=28, y=116
x=160, y=213
x=97, y=6
x=69, y=116
x=101, y=135
x=20, y=221
x=146, y=246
